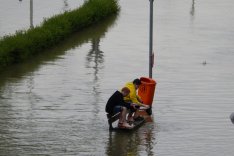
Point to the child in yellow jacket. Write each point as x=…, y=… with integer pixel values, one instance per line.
x=133, y=97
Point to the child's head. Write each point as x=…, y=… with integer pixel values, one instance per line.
x=125, y=91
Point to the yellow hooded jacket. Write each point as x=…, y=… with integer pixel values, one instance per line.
x=132, y=96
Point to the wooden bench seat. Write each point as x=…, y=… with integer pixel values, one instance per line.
x=112, y=119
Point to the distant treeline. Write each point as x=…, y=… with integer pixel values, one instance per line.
x=25, y=44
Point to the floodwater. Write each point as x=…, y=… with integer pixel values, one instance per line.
x=54, y=104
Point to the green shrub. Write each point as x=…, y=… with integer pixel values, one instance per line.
x=24, y=44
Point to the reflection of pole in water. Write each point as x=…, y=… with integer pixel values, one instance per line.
x=95, y=55
x=192, y=8
x=31, y=13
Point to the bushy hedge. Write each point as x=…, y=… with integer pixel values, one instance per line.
x=24, y=44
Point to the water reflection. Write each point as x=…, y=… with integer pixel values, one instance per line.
x=192, y=11
x=95, y=56
x=94, y=61
x=16, y=72
x=122, y=143
x=130, y=143
x=12, y=108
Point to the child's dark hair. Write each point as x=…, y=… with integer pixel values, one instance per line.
x=137, y=81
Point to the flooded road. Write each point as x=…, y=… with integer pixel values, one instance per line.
x=54, y=104
x=23, y=14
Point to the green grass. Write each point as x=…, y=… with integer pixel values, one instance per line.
x=25, y=44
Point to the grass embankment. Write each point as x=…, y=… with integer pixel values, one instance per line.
x=25, y=44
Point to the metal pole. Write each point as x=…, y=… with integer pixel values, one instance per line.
x=151, y=39
x=31, y=13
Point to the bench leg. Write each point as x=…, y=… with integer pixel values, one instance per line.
x=112, y=119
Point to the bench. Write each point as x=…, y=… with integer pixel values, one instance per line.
x=112, y=119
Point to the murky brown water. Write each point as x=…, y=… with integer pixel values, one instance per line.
x=54, y=104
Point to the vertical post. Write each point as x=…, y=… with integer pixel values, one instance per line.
x=151, y=39
x=31, y=13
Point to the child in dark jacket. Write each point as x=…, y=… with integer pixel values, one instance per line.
x=116, y=104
